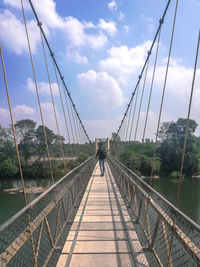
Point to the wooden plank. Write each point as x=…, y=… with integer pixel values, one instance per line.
x=97, y=236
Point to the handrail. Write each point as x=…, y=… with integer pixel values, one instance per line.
x=32, y=203
x=51, y=215
x=149, y=188
x=170, y=237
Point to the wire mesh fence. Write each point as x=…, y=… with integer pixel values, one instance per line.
x=169, y=238
x=35, y=235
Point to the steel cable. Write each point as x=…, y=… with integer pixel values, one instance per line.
x=188, y=118
x=64, y=114
x=149, y=100
x=163, y=93
x=134, y=110
x=37, y=92
x=141, y=99
x=56, y=65
x=73, y=121
x=53, y=102
x=130, y=110
x=69, y=116
x=148, y=55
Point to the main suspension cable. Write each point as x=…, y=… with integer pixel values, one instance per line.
x=52, y=99
x=145, y=63
x=56, y=65
x=163, y=93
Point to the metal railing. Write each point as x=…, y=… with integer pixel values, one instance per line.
x=36, y=234
x=169, y=237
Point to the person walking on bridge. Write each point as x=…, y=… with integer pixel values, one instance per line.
x=101, y=154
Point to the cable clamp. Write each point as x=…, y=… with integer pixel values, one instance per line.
x=161, y=21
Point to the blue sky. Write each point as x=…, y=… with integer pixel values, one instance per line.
x=100, y=47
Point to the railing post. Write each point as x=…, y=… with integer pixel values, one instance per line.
x=155, y=231
x=139, y=211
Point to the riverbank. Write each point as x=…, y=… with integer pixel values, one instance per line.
x=29, y=190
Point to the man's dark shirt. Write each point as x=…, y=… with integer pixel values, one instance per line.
x=101, y=153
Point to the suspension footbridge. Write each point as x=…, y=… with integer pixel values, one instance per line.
x=84, y=218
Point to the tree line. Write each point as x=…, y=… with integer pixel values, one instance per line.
x=135, y=155
x=33, y=153
x=138, y=156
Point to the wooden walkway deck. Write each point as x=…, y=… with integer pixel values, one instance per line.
x=102, y=233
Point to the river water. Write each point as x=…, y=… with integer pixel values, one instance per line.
x=189, y=198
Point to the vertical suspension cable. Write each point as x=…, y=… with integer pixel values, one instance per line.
x=141, y=99
x=127, y=120
x=125, y=125
x=76, y=122
x=83, y=134
x=120, y=135
x=52, y=99
x=130, y=110
x=79, y=130
x=184, y=148
x=37, y=92
x=17, y=151
x=13, y=127
x=133, y=116
x=64, y=114
x=56, y=65
x=149, y=52
x=150, y=94
x=188, y=118
x=65, y=94
x=123, y=132
x=163, y=94
x=73, y=120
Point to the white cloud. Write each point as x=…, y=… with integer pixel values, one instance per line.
x=12, y=29
x=19, y=112
x=179, y=84
x=78, y=37
x=12, y=33
x=43, y=87
x=101, y=90
x=23, y=109
x=100, y=128
x=112, y=5
x=17, y=4
x=177, y=94
x=74, y=56
x=4, y=117
x=122, y=61
x=109, y=27
x=45, y=9
x=121, y=16
x=49, y=119
x=126, y=28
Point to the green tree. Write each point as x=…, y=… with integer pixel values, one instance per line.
x=8, y=163
x=171, y=148
x=25, y=130
x=52, y=141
